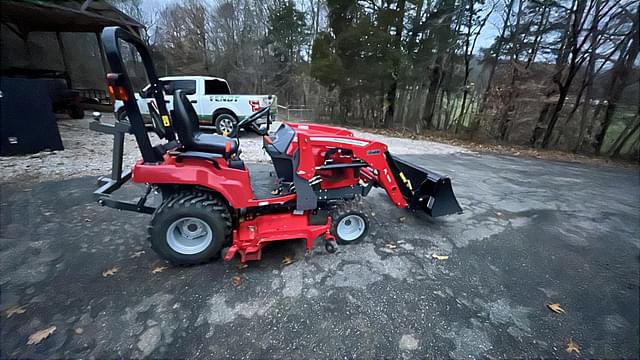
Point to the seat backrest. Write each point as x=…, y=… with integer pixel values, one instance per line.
x=185, y=118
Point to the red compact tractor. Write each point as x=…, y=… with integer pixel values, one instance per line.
x=207, y=200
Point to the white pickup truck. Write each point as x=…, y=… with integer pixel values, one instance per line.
x=212, y=99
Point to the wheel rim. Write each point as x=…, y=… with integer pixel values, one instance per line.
x=189, y=235
x=351, y=227
x=226, y=125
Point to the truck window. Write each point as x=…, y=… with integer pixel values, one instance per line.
x=170, y=86
x=216, y=87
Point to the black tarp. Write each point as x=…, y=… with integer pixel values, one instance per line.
x=27, y=124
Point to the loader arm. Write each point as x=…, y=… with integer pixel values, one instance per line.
x=406, y=184
x=371, y=152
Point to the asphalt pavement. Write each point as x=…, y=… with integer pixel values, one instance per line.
x=533, y=232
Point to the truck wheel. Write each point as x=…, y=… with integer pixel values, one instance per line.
x=121, y=115
x=75, y=112
x=226, y=124
x=190, y=228
x=349, y=226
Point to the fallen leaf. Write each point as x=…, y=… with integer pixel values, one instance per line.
x=16, y=310
x=111, y=271
x=137, y=254
x=440, y=257
x=555, y=307
x=288, y=260
x=573, y=347
x=373, y=214
x=391, y=246
x=159, y=269
x=236, y=280
x=78, y=331
x=242, y=266
x=402, y=219
x=37, y=337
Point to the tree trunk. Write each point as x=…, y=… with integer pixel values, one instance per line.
x=447, y=118
x=467, y=60
x=555, y=113
x=499, y=44
x=621, y=70
x=625, y=135
x=590, y=74
x=507, y=106
x=435, y=80
x=390, y=93
x=438, y=124
x=574, y=66
x=544, y=17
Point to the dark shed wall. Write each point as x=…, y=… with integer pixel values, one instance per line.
x=41, y=51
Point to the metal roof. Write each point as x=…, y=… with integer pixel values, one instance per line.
x=191, y=77
x=63, y=16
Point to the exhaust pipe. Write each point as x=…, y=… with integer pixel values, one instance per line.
x=424, y=189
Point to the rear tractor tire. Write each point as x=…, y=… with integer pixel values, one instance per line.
x=190, y=228
x=349, y=226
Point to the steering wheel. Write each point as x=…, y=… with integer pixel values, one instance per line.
x=250, y=122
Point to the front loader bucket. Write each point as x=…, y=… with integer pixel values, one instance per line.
x=424, y=189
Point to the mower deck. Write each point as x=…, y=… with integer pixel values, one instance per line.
x=252, y=235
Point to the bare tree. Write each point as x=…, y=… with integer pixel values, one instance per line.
x=475, y=21
x=620, y=79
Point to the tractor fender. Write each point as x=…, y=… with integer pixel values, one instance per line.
x=231, y=184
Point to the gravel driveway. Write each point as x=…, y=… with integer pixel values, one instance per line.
x=89, y=153
x=533, y=232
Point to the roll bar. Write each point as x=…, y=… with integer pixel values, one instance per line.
x=119, y=78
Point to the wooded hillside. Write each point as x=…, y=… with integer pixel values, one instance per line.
x=559, y=74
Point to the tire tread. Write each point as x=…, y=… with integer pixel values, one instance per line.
x=197, y=198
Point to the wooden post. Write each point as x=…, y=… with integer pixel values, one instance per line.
x=102, y=56
x=64, y=59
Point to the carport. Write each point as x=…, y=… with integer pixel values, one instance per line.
x=61, y=36
x=49, y=48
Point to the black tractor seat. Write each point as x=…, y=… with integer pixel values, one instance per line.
x=191, y=136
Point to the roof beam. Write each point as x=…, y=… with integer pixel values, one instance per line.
x=85, y=5
x=80, y=12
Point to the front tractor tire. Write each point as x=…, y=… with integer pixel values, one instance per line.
x=349, y=226
x=190, y=228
